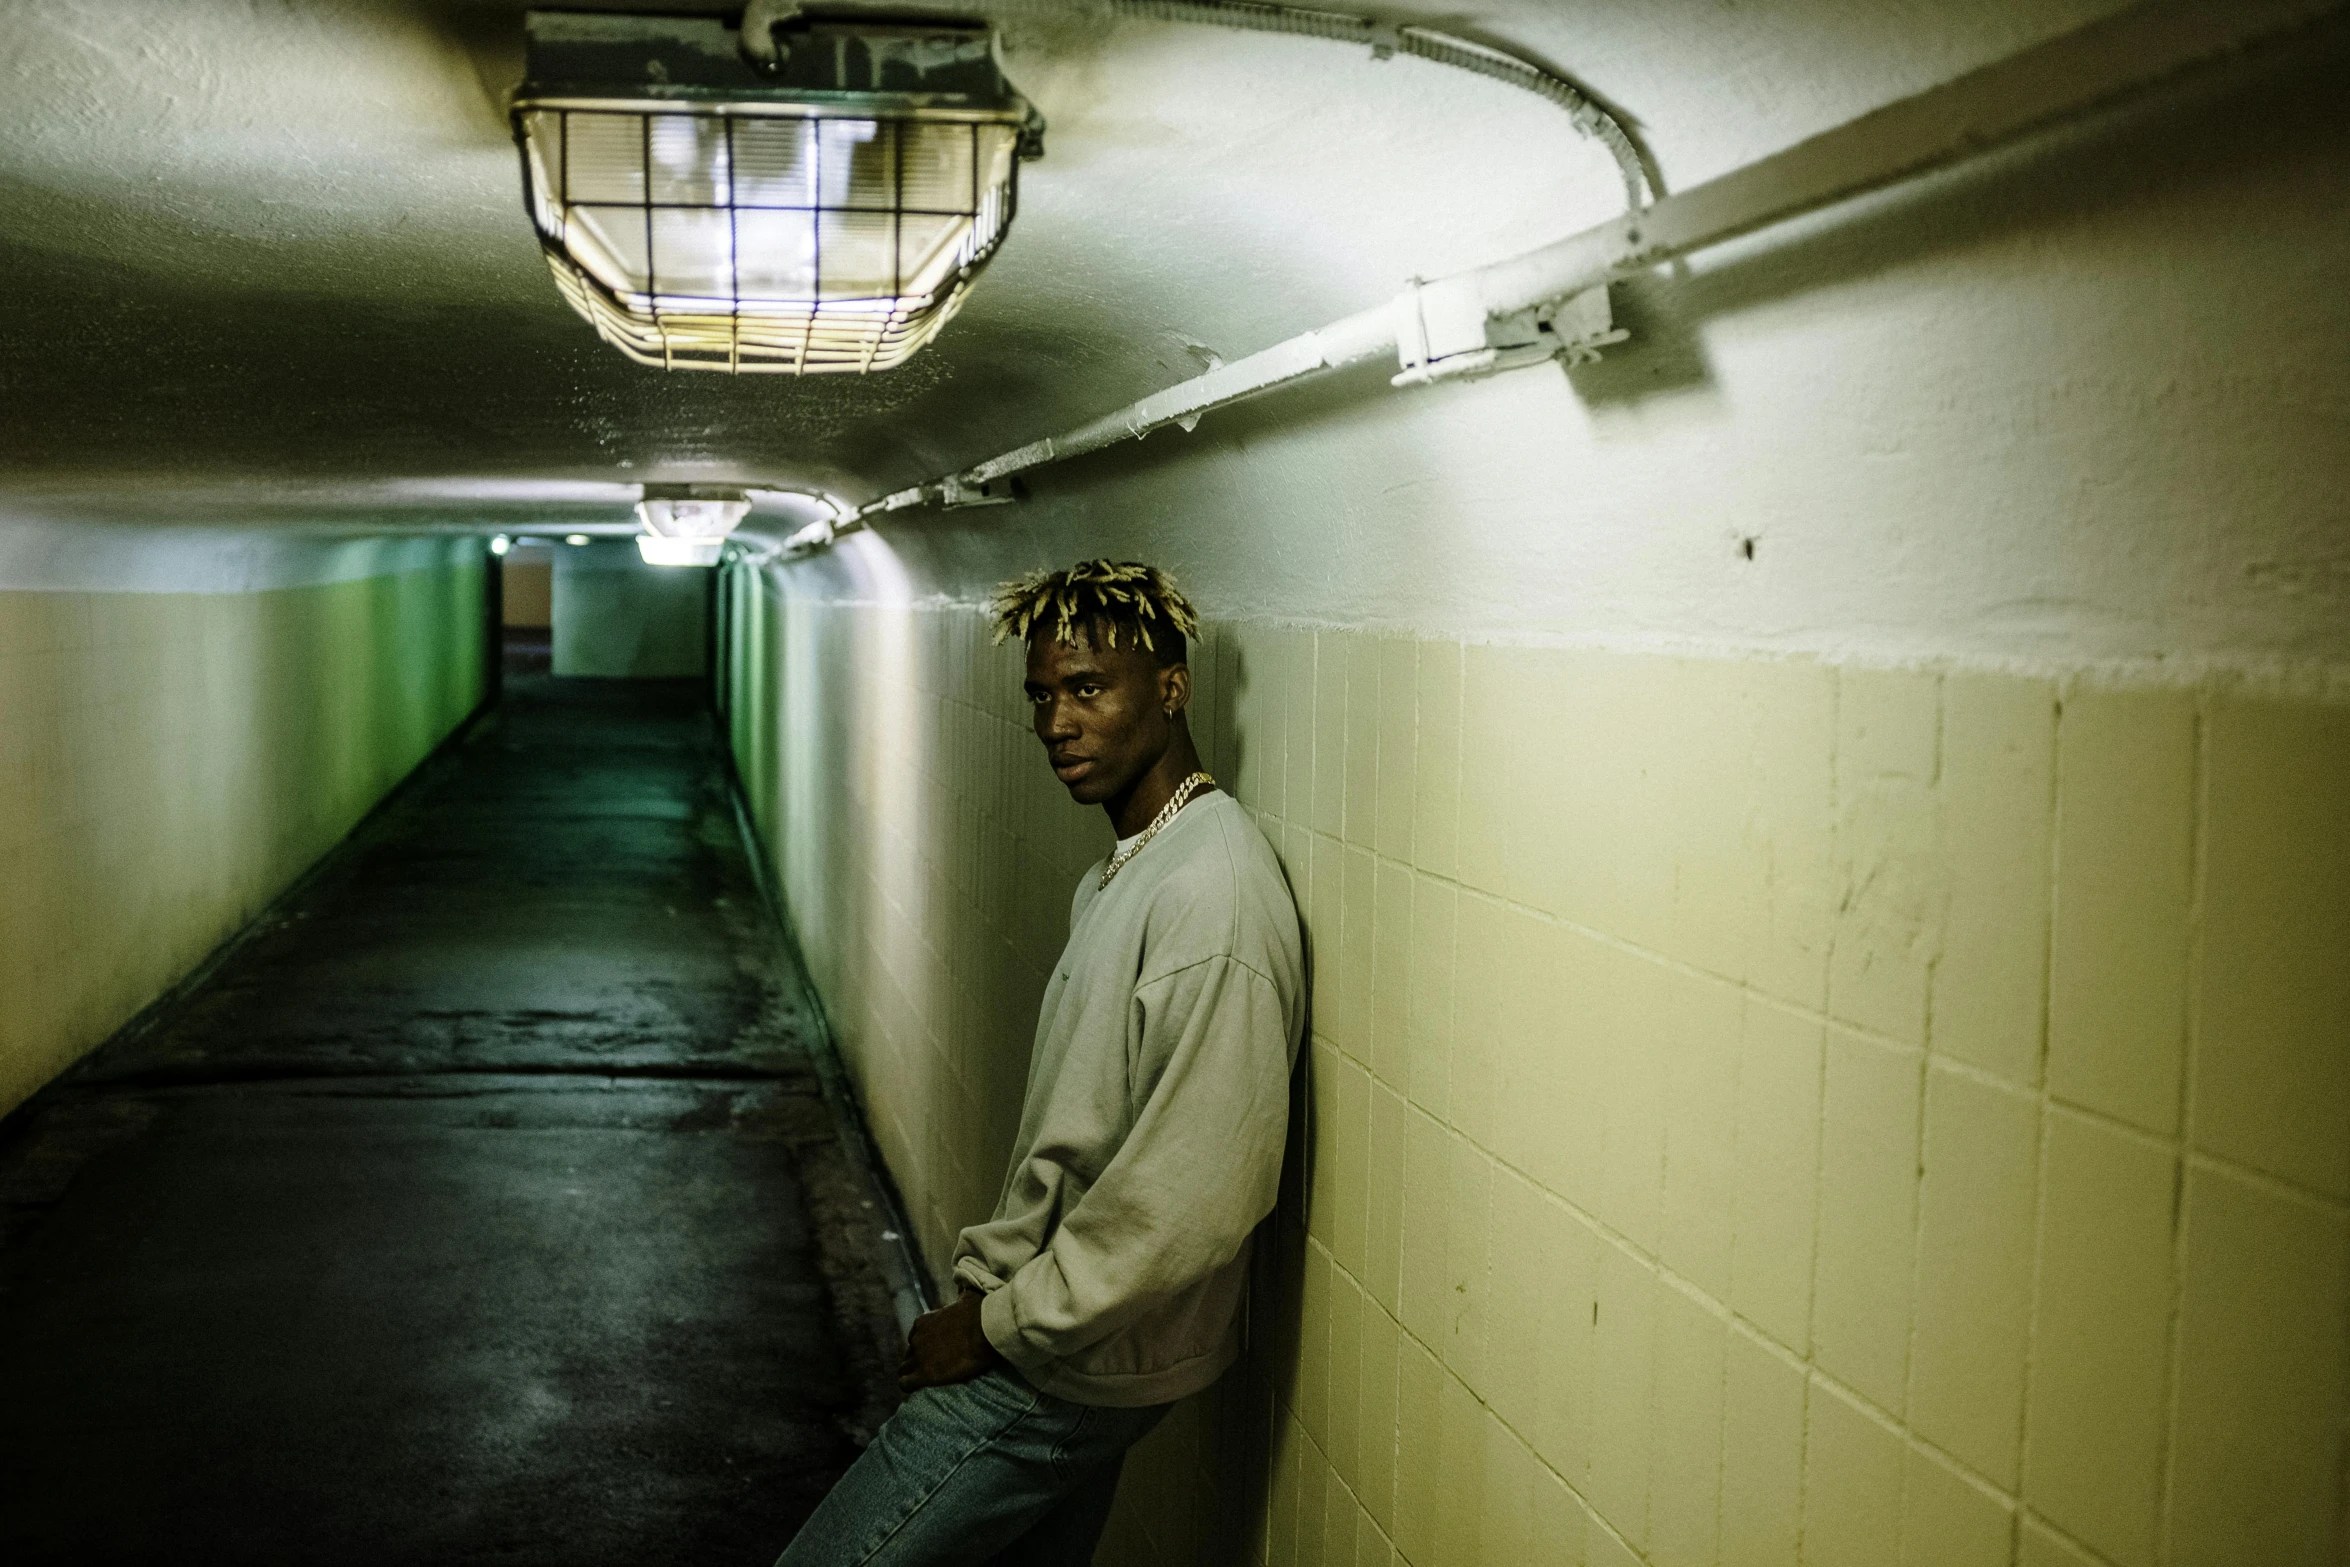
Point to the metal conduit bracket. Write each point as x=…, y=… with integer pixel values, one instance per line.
x=956, y=491
x=1584, y=324
x=1443, y=331
x=1563, y=285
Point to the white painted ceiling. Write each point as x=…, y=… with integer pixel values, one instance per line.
x=266, y=259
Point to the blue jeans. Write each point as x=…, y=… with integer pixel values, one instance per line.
x=988, y=1471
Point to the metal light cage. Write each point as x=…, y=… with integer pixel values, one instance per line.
x=754, y=226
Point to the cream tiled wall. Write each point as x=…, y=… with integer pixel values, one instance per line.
x=169, y=761
x=1763, y=1112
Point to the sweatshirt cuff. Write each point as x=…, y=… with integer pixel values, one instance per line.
x=1001, y=1323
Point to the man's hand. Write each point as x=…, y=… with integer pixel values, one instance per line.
x=947, y=1346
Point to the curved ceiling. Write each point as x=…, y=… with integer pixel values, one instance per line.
x=273, y=258
x=261, y=249
x=267, y=265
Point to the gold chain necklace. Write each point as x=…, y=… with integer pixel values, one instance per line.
x=1175, y=802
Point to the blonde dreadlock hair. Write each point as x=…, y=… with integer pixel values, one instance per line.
x=1100, y=598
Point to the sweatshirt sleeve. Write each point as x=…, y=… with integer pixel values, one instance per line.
x=1193, y=1178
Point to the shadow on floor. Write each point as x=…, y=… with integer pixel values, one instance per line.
x=482, y=1206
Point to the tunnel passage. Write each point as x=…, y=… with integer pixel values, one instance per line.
x=482, y=1205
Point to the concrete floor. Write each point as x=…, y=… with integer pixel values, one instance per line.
x=482, y=1206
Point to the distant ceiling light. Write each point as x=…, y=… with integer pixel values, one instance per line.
x=697, y=511
x=687, y=524
x=823, y=207
x=575, y=538
x=500, y=544
x=658, y=551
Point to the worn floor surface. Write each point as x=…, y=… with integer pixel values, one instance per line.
x=481, y=1207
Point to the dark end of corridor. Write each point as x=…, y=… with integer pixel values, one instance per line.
x=482, y=1205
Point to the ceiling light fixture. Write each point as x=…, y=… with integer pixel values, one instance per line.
x=679, y=552
x=688, y=524
x=814, y=195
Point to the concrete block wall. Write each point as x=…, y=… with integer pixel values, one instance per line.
x=1762, y=1111
x=169, y=761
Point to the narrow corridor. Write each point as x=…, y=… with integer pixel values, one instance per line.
x=482, y=1205
x=1773, y=578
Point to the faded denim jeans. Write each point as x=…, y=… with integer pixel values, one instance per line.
x=986, y=1473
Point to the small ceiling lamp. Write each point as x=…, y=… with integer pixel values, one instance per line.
x=679, y=552
x=814, y=194
x=688, y=524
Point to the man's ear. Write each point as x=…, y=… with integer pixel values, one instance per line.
x=1175, y=689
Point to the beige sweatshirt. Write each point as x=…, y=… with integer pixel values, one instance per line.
x=1150, y=1140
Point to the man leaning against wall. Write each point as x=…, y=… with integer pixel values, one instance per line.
x=1109, y=1283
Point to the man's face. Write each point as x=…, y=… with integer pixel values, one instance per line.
x=1101, y=712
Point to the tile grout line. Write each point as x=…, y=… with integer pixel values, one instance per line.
x=2042, y=1123
x=2010, y=1498
x=2174, y=1338
x=1712, y=1306
x=2185, y=1156
x=1927, y=1055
